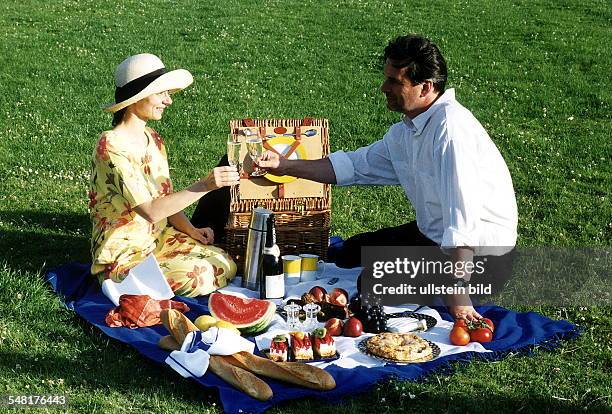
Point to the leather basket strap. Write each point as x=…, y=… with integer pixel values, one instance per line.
x=269, y=147
x=292, y=148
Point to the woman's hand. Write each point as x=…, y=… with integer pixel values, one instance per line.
x=204, y=235
x=221, y=177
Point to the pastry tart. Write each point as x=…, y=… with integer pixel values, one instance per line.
x=404, y=347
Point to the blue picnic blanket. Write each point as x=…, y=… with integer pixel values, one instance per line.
x=515, y=332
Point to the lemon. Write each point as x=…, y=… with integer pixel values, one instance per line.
x=227, y=325
x=204, y=322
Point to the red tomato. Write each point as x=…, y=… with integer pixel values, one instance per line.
x=489, y=323
x=481, y=335
x=459, y=336
x=460, y=323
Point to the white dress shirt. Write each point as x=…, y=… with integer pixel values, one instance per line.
x=451, y=172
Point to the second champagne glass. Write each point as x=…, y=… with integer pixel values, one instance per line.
x=255, y=148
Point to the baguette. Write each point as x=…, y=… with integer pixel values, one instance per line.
x=319, y=378
x=178, y=324
x=240, y=378
x=292, y=372
x=168, y=343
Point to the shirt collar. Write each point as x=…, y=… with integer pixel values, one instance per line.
x=418, y=123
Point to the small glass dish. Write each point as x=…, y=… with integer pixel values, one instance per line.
x=293, y=317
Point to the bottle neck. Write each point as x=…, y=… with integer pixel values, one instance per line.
x=270, y=234
x=272, y=250
x=271, y=237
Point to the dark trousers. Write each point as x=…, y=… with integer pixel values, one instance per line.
x=349, y=255
x=213, y=209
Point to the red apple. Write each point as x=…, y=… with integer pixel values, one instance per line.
x=334, y=326
x=353, y=327
x=338, y=297
x=319, y=293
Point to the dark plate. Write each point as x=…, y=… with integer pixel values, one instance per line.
x=429, y=320
x=290, y=357
x=434, y=348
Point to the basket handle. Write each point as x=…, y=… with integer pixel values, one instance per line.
x=250, y=122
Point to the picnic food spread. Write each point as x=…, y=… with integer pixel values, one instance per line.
x=289, y=352
x=404, y=347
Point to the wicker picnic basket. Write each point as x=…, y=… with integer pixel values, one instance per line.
x=302, y=208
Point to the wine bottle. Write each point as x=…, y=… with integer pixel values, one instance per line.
x=272, y=283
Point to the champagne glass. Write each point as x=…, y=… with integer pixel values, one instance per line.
x=255, y=148
x=233, y=152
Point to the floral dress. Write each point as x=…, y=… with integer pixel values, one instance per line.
x=125, y=175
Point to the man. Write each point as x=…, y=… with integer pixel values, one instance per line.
x=450, y=170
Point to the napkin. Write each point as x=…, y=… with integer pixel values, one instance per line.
x=146, y=278
x=193, y=358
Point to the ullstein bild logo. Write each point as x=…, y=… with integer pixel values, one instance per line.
x=432, y=289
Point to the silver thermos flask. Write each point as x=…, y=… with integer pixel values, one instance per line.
x=255, y=244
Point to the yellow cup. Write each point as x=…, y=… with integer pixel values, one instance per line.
x=312, y=267
x=292, y=267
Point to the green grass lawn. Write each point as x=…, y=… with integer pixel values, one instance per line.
x=535, y=73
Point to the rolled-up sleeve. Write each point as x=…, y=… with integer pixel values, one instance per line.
x=369, y=165
x=460, y=191
x=343, y=167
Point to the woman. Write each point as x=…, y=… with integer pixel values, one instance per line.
x=133, y=207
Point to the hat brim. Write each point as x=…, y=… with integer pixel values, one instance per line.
x=172, y=81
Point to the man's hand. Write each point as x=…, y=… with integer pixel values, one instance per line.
x=460, y=307
x=273, y=162
x=464, y=312
x=204, y=235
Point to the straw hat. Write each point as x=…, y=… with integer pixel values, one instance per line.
x=143, y=75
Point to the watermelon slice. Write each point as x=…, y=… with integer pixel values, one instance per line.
x=248, y=315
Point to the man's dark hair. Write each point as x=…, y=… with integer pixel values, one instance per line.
x=118, y=116
x=421, y=57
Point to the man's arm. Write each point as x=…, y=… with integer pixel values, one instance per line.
x=320, y=170
x=460, y=306
x=464, y=255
